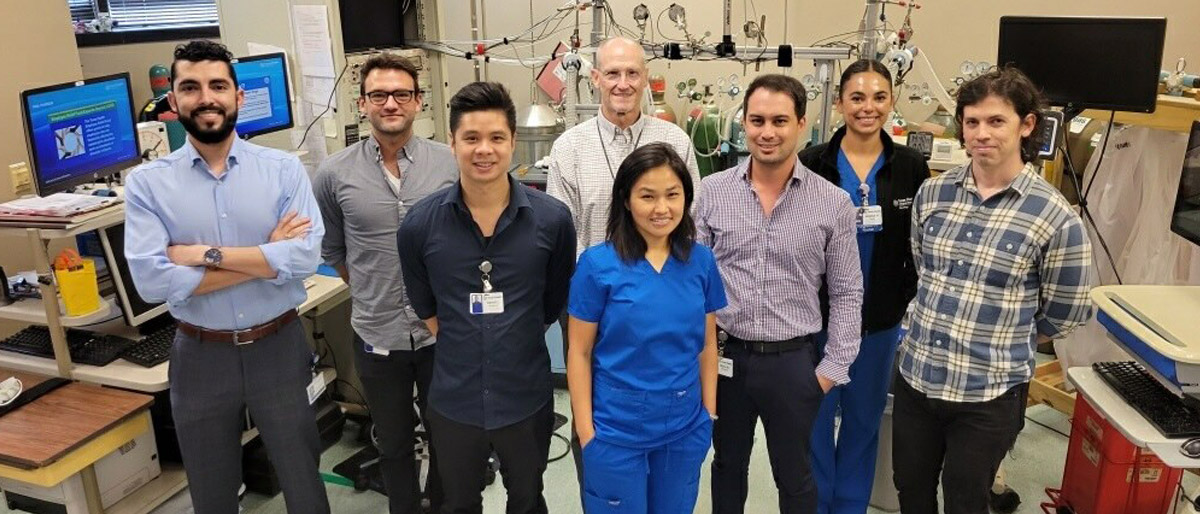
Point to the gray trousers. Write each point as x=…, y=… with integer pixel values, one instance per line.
x=210, y=384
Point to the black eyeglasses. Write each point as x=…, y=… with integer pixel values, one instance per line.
x=402, y=96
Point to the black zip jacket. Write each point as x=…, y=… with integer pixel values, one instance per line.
x=892, y=280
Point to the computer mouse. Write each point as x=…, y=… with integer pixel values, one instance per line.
x=1191, y=448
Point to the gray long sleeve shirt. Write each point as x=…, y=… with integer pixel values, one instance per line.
x=362, y=213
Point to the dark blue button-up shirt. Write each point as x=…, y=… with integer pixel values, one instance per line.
x=491, y=370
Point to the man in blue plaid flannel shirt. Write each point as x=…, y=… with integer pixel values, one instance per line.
x=1002, y=260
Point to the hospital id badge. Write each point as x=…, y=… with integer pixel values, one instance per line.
x=486, y=303
x=725, y=367
x=870, y=219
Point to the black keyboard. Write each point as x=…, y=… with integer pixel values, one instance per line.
x=152, y=350
x=1167, y=412
x=85, y=347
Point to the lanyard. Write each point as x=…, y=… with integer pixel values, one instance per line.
x=602, y=147
x=865, y=190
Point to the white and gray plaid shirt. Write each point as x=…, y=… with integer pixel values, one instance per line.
x=774, y=267
x=992, y=275
x=582, y=176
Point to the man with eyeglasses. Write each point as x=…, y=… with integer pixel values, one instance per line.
x=364, y=192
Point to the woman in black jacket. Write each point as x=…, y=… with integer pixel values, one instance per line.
x=881, y=179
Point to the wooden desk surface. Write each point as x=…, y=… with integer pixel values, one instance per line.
x=62, y=420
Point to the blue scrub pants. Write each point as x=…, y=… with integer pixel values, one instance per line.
x=660, y=480
x=845, y=471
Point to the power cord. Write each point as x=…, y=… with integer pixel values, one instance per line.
x=1083, y=202
x=328, y=105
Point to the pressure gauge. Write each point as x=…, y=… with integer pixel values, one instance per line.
x=982, y=67
x=152, y=138
x=809, y=81
x=678, y=15
x=967, y=69
x=640, y=14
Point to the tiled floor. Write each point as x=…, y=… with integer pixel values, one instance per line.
x=1036, y=463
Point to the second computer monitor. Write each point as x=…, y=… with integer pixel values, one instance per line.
x=136, y=309
x=268, y=105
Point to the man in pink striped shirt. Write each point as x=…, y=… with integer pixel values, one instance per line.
x=785, y=242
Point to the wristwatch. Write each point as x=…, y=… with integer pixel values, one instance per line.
x=212, y=257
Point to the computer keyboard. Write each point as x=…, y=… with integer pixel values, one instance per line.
x=85, y=347
x=152, y=350
x=1161, y=407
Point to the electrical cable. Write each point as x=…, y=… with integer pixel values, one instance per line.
x=565, y=452
x=1107, y=132
x=1047, y=427
x=1087, y=215
x=328, y=105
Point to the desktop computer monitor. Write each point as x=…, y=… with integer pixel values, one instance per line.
x=109, y=244
x=1186, y=219
x=1100, y=63
x=80, y=132
x=268, y=106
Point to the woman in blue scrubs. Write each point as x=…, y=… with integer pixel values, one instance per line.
x=881, y=179
x=642, y=364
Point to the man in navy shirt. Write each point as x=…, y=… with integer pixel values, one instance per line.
x=486, y=264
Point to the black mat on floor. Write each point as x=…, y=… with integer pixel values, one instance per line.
x=369, y=478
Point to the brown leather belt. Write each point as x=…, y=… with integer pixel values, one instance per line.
x=239, y=337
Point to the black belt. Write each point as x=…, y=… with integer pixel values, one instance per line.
x=786, y=345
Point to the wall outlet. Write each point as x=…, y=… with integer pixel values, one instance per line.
x=21, y=179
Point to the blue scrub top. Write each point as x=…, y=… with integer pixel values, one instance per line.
x=645, y=362
x=851, y=183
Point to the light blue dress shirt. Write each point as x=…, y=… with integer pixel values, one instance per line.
x=176, y=200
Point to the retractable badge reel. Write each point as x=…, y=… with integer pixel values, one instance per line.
x=870, y=217
x=489, y=301
x=724, y=364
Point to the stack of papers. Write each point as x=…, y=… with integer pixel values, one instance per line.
x=58, y=206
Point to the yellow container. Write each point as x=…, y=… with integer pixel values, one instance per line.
x=79, y=289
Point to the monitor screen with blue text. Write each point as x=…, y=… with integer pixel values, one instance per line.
x=268, y=105
x=80, y=131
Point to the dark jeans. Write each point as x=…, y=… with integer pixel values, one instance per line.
x=212, y=382
x=388, y=382
x=781, y=388
x=963, y=442
x=463, y=450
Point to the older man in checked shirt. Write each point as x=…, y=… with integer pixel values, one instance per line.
x=1002, y=263
x=780, y=233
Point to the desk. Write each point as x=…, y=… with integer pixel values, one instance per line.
x=325, y=293
x=1126, y=419
x=66, y=431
